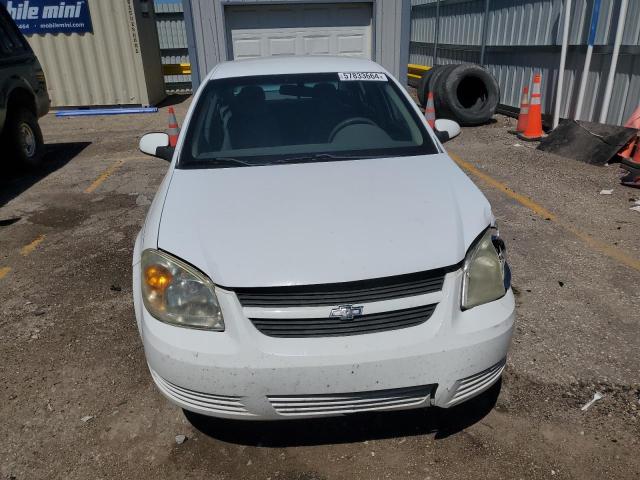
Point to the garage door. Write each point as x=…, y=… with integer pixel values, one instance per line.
x=300, y=29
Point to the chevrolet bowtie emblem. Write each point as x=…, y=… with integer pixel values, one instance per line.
x=346, y=312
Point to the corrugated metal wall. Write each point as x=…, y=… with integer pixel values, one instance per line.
x=173, y=41
x=117, y=64
x=207, y=35
x=525, y=36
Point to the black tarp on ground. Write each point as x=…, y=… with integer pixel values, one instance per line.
x=588, y=142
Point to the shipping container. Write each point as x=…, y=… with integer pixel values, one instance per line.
x=117, y=62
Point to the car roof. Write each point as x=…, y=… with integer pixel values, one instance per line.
x=293, y=64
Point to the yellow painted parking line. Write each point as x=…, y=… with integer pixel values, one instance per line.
x=4, y=271
x=604, y=248
x=593, y=243
x=106, y=174
x=27, y=249
x=521, y=199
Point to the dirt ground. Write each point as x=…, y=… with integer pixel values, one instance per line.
x=77, y=401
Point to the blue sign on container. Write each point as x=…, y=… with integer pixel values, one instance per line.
x=50, y=16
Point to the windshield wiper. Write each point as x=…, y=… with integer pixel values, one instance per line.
x=327, y=157
x=234, y=160
x=316, y=157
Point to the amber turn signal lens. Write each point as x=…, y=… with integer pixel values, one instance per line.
x=158, y=277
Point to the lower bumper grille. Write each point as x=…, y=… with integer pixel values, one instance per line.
x=337, y=404
x=335, y=327
x=213, y=404
x=473, y=385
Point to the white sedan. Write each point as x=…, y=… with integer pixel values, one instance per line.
x=314, y=251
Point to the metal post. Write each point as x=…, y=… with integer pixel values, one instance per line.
x=614, y=61
x=192, y=46
x=485, y=27
x=563, y=61
x=435, y=41
x=595, y=14
x=405, y=40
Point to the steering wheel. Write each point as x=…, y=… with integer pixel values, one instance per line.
x=348, y=122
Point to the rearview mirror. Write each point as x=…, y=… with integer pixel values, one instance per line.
x=446, y=129
x=157, y=145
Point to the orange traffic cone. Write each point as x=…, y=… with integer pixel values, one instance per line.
x=636, y=155
x=534, y=131
x=174, y=130
x=627, y=150
x=430, y=111
x=632, y=122
x=632, y=165
x=523, y=116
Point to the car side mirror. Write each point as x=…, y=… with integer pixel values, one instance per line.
x=446, y=129
x=157, y=145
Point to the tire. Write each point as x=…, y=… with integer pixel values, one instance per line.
x=434, y=82
x=436, y=86
x=428, y=81
x=24, y=139
x=423, y=87
x=468, y=94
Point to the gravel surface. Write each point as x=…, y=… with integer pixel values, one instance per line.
x=77, y=401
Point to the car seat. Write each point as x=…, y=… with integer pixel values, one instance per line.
x=251, y=124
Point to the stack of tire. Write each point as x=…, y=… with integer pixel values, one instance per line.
x=466, y=93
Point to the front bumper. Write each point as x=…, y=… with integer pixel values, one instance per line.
x=43, y=103
x=241, y=373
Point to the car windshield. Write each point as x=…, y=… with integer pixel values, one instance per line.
x=263, y=120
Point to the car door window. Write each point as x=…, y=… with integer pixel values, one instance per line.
x=10, y=41
x=5, y=44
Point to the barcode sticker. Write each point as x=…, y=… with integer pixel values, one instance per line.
x=362, y=76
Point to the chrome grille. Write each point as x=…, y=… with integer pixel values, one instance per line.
x=363, y=291
x=473, y=385
x=333, y=404
x=335, y=327
x=214, y=404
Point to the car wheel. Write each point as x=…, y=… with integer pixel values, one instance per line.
x=24, y=138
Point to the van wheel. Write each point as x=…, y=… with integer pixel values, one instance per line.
x=24, y=139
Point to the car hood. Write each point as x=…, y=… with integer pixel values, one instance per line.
x=324, y=222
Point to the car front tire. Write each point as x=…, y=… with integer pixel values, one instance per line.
x=24, y=139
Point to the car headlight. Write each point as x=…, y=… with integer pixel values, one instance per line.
x=486, y=276
x=176, y=293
